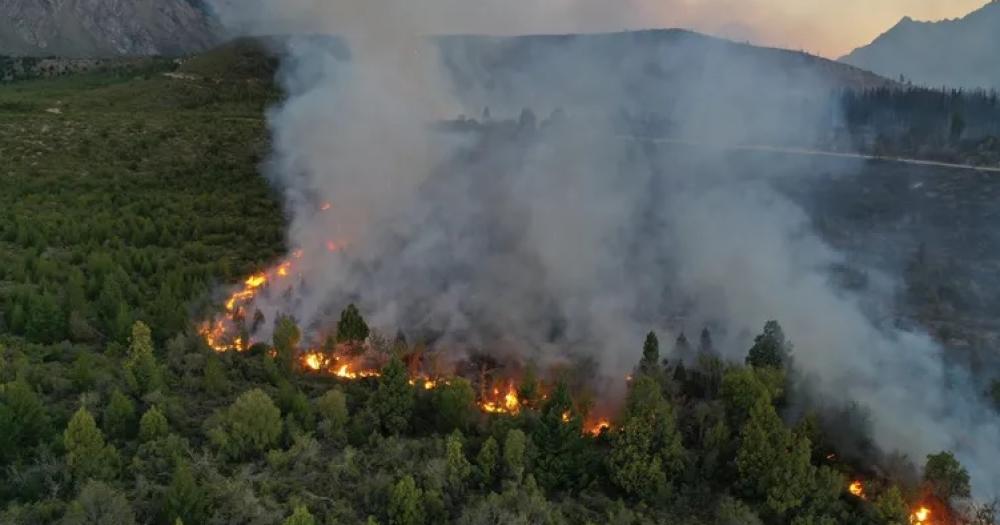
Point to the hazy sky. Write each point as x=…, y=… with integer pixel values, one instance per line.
x=826, y=27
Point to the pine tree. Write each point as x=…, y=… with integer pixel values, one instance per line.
x=119, y=416
x=486, y=461
x=352, y=328
x=184, y=499
x=741, y=389
x=650, y=363
x=46, y=322
x=29, y=418
x=646, y=453
x=153, y=425
x=705, y=345
x=392, y=402
x=251, y=425
x=406, y=503
x=770, y=349
x=214, y=379
x=682, y=347
x=454, y=404
x=142, y=372
x=514, y=446
x=891, y=508
x=773, y=464
x=457, y=467
x=300, y=516
x=946, y=477
x=334, y=417
x=529, y=393
x=558, y=439
x=286, y=341
x=87, y=455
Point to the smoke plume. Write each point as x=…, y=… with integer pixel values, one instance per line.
x=572, y=237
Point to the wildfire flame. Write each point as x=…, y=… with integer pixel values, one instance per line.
x=222, y=335
x=345, y=372
x=313, y=361
x=921, y=515
x=509, y=404
x=857, y=489
x=326, y=206
x=602, y=425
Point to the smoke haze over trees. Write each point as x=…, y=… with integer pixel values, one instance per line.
x=563, y=237
x=590, y=324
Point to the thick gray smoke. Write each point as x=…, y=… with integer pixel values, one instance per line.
x=572, y=237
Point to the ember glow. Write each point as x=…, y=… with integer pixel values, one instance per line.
x=334, y=246
x=857, y=489
x=346, y=372
x=921, y=515
x=222, y=335
x=314, y=361
x=597, y=428
x=507, y=404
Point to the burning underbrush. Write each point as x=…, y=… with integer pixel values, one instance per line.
x=928, y=509
x=502, y=388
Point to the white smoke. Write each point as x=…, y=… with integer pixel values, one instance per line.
x=574, y=238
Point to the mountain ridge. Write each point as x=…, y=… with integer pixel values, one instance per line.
x=957, y=52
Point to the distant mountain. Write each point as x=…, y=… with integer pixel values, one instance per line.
x=956, y=53
x=105, y=28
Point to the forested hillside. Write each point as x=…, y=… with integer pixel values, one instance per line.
x=128, y=198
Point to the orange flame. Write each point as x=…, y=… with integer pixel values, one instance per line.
x=314, y=361
x=921, y=515
x=565, y=417
x=596, y=429
x=857, y=489
x=345, y=372
x=326, y=206
x=509, y=404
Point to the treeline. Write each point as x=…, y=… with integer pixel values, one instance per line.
x=153, y=434
x=947, y=125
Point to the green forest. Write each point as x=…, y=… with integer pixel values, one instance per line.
x=128, y=197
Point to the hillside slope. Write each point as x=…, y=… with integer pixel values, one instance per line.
x=720, y=90
x=105, y=28
x=958, y=53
